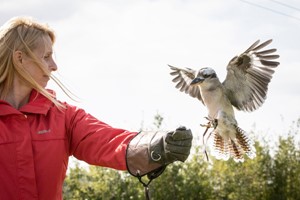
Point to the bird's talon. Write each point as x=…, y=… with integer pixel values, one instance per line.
x=208, y=125
x=205, y=125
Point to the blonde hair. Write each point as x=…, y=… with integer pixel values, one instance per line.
x=23, y=34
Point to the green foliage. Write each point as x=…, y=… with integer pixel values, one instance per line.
x=188, y=180
x=158, y=119
x=271, y=175
x=98, y=183
x=286, y=171
x=248, y=180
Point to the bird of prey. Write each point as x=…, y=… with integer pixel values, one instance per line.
x=245, y=88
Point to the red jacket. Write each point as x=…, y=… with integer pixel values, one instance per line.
x=37, y=140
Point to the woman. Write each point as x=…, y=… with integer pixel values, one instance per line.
x=38, y=133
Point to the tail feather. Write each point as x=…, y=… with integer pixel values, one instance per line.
x=221, y=147
x=245, y=143
x=235, y=152
x=233, y=147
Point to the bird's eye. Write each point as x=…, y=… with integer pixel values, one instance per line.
x=213, y=75
x=206, y=75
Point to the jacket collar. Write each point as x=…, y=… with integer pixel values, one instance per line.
x=37, y=104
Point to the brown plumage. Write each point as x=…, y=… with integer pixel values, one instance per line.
x=233, y=147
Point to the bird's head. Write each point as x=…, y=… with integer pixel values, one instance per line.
x=204, y=75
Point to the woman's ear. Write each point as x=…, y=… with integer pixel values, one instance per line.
x=18, y=57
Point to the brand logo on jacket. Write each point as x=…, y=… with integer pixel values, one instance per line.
x=44, y=131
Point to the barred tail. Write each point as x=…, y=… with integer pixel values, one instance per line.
x=245, y=143
x=221, y=147
x=233, y=147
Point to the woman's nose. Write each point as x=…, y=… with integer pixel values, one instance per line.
x=53, y=66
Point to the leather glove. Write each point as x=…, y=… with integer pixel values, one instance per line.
x=149, y=151
x=173, y=146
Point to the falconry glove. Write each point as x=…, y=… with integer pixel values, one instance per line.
x=149, y=153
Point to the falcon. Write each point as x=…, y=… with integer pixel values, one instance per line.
x=244, y=88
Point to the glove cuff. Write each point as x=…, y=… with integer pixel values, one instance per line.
x=138, y=154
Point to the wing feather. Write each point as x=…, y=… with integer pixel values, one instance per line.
x=266, y=51
x=183, y=78
x=266, y=43
x=248, y=76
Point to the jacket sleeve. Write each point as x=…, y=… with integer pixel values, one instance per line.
x=96, y=142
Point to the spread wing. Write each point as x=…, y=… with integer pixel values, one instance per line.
x=248, y=76
x=183, y=78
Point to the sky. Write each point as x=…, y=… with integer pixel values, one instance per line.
x=114, y=56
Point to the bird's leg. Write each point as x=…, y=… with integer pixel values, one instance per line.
x=206, y=155
x=212, y=123
x=208, y=126
x=204, y=134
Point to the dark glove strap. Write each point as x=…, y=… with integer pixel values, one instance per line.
x=151, y=175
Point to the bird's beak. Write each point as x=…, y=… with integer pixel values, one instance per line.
x=197, y=80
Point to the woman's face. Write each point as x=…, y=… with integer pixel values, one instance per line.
x=44, y=53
